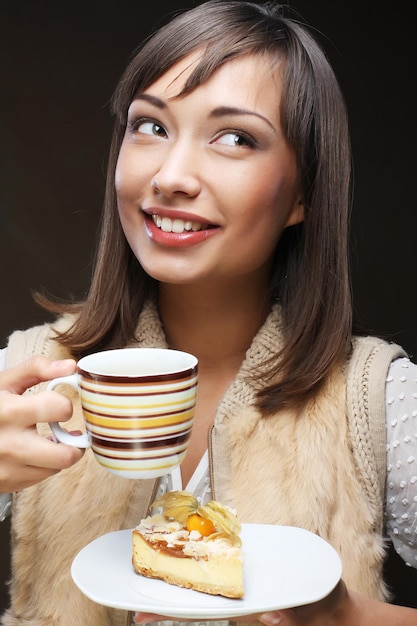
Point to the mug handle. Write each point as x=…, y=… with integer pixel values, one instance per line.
x=78, y=441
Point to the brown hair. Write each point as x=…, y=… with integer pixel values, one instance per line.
x=311, y=276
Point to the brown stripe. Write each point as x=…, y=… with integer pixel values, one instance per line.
x=123, y=394
x=137, y=380
x=151, y=442
x=139, y=460
x=146, y=421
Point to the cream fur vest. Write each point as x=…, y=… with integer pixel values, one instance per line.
x=323, y=471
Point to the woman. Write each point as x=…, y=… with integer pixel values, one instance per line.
x=224, y=234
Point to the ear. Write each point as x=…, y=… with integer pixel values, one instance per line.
x=297, y=214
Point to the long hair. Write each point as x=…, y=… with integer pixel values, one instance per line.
x=311, y=271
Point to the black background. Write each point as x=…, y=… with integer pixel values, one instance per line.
x=59, y=63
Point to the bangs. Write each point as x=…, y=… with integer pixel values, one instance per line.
x=220, y=32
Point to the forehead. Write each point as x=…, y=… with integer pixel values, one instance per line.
x=250, y=75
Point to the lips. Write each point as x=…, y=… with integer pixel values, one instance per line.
x=177, y=232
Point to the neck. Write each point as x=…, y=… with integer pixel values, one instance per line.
x=217, y=327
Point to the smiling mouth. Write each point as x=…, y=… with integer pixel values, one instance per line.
x=177, y=225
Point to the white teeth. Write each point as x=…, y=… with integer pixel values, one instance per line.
x=166, y=225
x=177, y=225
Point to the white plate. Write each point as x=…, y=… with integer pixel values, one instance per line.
x=283, y=567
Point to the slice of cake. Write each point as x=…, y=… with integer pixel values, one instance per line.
x=191, y=546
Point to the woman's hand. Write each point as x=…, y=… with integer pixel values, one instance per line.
x=343, y=608
x=339, y=608
x=27, y=458
x=323, y=613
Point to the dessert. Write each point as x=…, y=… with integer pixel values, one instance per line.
x=191, y=545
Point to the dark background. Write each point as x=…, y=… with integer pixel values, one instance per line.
x=59, y=63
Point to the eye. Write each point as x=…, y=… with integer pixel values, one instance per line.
x=236, y=139
x=147, y=127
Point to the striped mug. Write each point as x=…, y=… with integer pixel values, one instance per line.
x=138, y=406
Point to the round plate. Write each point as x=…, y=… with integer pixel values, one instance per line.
x=284, y=567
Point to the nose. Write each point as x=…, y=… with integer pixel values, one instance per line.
x=178, y=173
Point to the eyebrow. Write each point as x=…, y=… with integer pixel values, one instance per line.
x=221, y=111
x=151, y=99
x=224, y=111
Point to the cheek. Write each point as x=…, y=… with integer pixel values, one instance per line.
x=119, y=175
x=261, y=211
x=266, y=205
x=128, y=179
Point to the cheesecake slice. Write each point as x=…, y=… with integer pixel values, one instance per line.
x=192, y=546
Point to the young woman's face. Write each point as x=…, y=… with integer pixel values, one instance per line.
x=206, y=183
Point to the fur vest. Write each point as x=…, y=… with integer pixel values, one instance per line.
x=323, y=470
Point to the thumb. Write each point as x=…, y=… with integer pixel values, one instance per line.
x=35, y=370
x=273, y=618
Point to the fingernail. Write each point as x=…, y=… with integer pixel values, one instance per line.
x=271, y=619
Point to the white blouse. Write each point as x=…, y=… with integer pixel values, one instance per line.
x=401, y=493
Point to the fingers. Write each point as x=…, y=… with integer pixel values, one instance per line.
x=26, y=457
x=35, y=370
x=143, y=618
x=28, y=449
x=274, y=618
x=27, y=477
x=30, y=458
x=27, y=410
